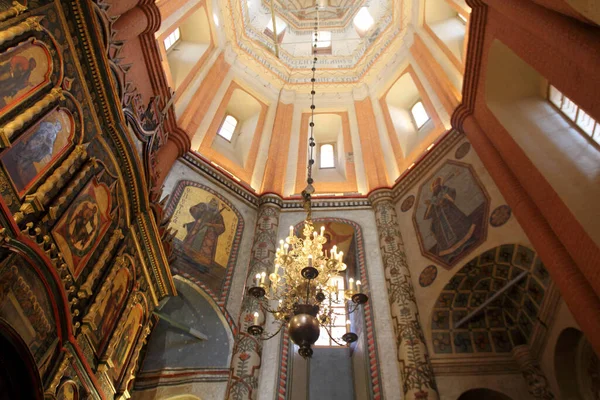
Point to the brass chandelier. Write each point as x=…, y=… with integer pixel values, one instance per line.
x=302, y=294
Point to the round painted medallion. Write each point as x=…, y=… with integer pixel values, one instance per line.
x=428, y=275
x=462, y=150
x=500, y=215
x=407, y=203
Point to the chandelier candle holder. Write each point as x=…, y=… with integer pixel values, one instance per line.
x=303, y=284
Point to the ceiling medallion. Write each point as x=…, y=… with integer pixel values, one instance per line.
x=302, y=296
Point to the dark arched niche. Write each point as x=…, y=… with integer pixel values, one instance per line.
x=576, y=366
x=19, y=376
x=171, y=348
x=481, y=394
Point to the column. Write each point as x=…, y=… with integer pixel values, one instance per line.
x=275, y=170
x=536, y=380
x=372, y=153
x=416, y=372
x=143, y=18
x=178, y=143
x=247, y=353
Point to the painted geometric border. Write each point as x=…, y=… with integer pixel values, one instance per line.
x=222, y=298
x=484, y=227
x=373, y=359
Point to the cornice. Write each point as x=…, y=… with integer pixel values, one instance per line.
x=403, y=184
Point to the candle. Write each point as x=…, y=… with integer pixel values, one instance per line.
x=291, y=230
x=351, y=284
x=340, y=255
x=333, y=251
x=358, y=286
x=255, y=322
x=262, y=278
x=287, y=248
x=347, y=326
x=310, y=260
x=281, y=245
x=322, y=230
x=315, y=235
x=257, y=279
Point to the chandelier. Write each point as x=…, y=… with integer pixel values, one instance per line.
x=302, y=292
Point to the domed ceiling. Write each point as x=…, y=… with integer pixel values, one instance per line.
x=347, y=53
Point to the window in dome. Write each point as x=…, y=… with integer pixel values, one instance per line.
x=172, y=39
x=569, y=109
x=363, y=20
x=324, y=39
x=280, y=26
x=228, y=127
x=419, y=114
x=327, y=156
x=337, y=326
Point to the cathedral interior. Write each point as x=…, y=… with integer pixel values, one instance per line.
x=447, y=150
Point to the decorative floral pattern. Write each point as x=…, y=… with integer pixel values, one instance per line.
x=246, y=360
x=500, y=216
x=428, y=275
x=418, y=381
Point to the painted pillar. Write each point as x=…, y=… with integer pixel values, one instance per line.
x=370, y=143
x=198, y=107
x=275, y=169
x=418, y=381
x=178, y=143
x=247, y=353
x=537, y=383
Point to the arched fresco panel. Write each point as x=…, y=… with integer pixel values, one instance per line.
x=209, y=230
x=176, y=356
x=347, y=235
x=507, y=321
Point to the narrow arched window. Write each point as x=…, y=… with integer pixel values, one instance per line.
x=419, y=114
x=327, y=156
x=363, y=20
x=339, y=316
x=228, y=127
x=172, y=39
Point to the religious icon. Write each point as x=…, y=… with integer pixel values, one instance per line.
x=126, y=340
x=204, y=231
x=68, y=391
x=32, y=154
x=81, y=228
x=451, y=212
x=208, y=233
x=22, y=70
x=450, y=226
x=111, y=303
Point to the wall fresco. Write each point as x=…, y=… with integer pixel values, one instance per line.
x=208, y=229
x=451, y=213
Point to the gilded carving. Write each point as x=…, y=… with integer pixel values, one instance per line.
x=86, y=288
x=36, y=202
x=30, y=24
x=16, y=9
x=8, y=130
x=60, y=371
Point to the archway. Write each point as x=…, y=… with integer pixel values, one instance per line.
x=19, y=375
x=576, y=366
x=487, y=394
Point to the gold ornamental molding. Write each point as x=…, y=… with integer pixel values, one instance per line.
x=8, y=131
x=37, y=202
x=15, y=10
x=30, y=24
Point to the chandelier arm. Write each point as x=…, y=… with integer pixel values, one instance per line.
x=267, y=337
x=334, y=339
